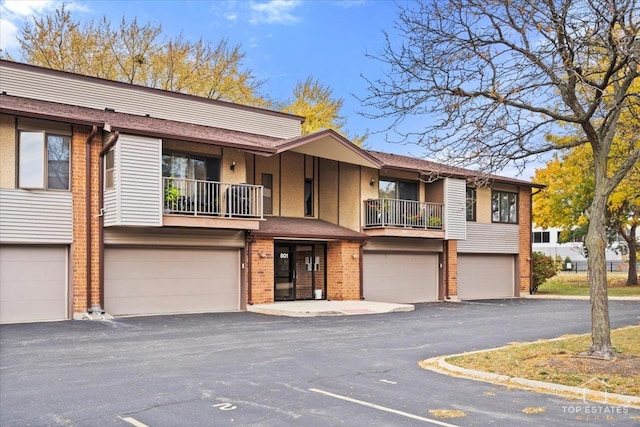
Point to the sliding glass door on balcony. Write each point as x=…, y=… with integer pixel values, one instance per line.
x=191, y=184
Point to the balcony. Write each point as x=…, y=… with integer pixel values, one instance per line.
x=394, y=217
x=190, y=202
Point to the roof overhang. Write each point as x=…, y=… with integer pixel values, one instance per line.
x=328, y=144
x=305, y=229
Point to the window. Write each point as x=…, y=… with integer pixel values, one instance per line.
x=471, y=204
x=267, y=198
x=391, y=189
x=184, y=166
x=541, y=237
x=43, y=161
x=504, y=207
x=308, y=197
x=109, y=161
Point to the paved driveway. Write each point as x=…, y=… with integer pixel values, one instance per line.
x=249, y=369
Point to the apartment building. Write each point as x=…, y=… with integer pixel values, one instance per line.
x=138, y=201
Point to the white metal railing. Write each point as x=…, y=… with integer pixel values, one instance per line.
x=211, y=198
x=402, y=213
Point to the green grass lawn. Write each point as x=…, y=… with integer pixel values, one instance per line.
x=575, y=284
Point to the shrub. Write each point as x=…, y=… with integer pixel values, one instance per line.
x=543, y=268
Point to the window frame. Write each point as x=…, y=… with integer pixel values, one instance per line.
x=471, y=204
x=504, y=216
x=109, y=172
x=308, y=198
x=541, y=237
x=397, y=184
x=267, y=199
x=44, y=159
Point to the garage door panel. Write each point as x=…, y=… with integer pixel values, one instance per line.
x=158, y=281
x=402, y=278
x=33, y=283
x=486, y=276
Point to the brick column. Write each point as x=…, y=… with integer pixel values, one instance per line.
x=524, y=250
x=451, y=266
x=79, y=194
x=343, y=270
x=262, y=271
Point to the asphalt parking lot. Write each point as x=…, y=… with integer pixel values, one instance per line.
x=248, y=369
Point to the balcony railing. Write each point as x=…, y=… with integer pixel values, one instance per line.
x=402, y=213
x=210, y=198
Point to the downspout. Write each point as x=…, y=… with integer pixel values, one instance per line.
x=111, y=141
x=94, y=132
x=445, y=269
x=249, y=239
x=362, y=269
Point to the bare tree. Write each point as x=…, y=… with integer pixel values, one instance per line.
x=492, y=78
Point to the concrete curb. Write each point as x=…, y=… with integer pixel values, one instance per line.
x=441, y=366
x=577, y=297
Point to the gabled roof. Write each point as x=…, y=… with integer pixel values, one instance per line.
x=331, y=145
x=429, y=168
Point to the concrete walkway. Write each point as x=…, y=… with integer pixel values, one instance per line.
x=327, y=308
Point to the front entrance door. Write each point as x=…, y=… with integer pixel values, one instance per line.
x=299, y=271
x=285, y=273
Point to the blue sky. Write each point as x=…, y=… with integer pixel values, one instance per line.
x=285, y=41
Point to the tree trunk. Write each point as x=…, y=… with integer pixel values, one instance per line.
x=632, y=277
x=596, y=243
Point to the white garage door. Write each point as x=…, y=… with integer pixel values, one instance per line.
x=33, y=283
x=402, y=278
x=162, y=281
x=485, y=276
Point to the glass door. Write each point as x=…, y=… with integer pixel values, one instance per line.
x=285, y=273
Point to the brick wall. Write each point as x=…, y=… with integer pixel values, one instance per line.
x=79, y=194
x=262, y=271
x=451, y=266
x=343, y=270
x=524, y=258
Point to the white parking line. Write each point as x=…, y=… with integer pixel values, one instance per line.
x=382, y=408
x=133, y=421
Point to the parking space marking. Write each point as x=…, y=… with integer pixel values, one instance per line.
x=382, y=408
x=133, y=421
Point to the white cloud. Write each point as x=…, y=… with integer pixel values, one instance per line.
x=26, y=8
x=16, y=13
x=8, y=35
x=274, y=12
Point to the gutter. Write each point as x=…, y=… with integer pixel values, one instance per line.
x=94, y=132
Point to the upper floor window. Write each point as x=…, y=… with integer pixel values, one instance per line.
x=267, y=193
x=308, y=197
x=504, y=207
x=393, y=189
x=177, y=165
x=471, y=204
x=541, y=237
x=43, y=160
x=109, y=162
